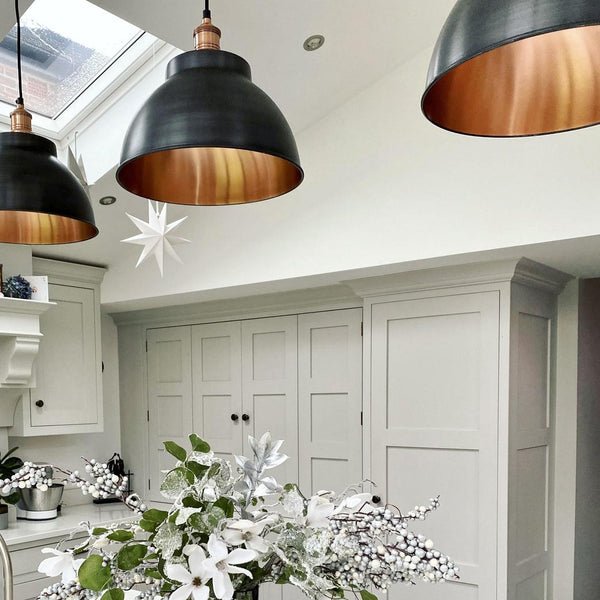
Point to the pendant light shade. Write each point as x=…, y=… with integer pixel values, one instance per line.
x=516, y=68
x=209, y=136
x=41, y=201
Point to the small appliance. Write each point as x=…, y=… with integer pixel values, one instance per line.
x=38, y=505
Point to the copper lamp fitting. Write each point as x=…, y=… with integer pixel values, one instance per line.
x=20, y=120
x=207, y=36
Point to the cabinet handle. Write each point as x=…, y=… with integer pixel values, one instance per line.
x=245, y=417
x=234, y=417
x=39, y=403
x=376, y=499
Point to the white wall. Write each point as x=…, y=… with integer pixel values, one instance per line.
x=66, y=450
x=587, y=522
x=15, y=260
x=383, y=186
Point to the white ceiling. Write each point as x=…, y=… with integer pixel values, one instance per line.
x=364, y=42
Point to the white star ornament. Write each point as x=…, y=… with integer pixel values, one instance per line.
x=156, y=236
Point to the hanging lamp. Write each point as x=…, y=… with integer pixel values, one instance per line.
x=208, y=136
x=516, y=68
x=41, y=201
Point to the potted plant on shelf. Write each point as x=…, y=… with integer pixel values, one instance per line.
x=9, y=466
x=230, y=528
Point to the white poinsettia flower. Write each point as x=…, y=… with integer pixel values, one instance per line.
x=266, y=451
x=248, y=533
x=318, y=512
x=355, y=503
x=221, y=563
x=194, y=580
x=62, y=563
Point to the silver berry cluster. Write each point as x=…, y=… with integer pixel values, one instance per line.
x=374, y=546
x=103, y=482
x=28, y=476
x=67, y=591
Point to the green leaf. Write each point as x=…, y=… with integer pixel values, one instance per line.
x=92, y=575
x=81, y=549
x=190, y=502
x=367, y=595
x=226, y=505
x=120, y=536
x=99, y=530
x=177, y=451
x=155, y=515
x=131, y=556
x=198, y=444
x=196, y=468
x=149, y=526
x=113, y=594
x=207, y=522
x=152, y=573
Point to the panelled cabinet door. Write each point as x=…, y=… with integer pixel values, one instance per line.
x=330, y=400
x=67, y=365
x=217, y=386
x=269, y=387
x=169, y=398
x=434, y=412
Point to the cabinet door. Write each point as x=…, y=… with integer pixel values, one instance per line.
x=330, y=400
x=434, y=414
x=269, y=387
x=217, y=391
x=169, y=398
x=67, y=365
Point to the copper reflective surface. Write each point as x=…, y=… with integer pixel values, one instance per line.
x=543, y=84
x=209, y=176
x=18, y=227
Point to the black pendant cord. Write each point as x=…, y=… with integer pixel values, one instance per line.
x=20, y=98
x=206, y=12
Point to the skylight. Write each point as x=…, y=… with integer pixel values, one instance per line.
x=65, y=47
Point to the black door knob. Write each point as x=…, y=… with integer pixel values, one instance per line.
x=245, y=417
x=39, y=403
x=376, y=499
x=234, y=417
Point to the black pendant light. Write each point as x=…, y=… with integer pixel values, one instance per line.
x=516, y=67
x=208, y=136
x=41, y=201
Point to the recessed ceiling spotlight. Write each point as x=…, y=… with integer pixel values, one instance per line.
x=107, y=200
x=314, y=42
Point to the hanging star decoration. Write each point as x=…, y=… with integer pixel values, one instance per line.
x=156, y=236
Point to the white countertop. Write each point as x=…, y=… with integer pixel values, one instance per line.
x=25, y=532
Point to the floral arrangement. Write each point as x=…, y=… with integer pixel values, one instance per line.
x=17, y=287
x=230, y=529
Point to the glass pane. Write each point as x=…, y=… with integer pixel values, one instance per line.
x=65, y=46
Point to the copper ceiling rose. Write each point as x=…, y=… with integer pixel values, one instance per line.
x=41, y=201
x=516, y=68
x=208, y=136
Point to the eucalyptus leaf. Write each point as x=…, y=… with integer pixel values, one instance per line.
x=120, y=535
x=92, y=575
x=113, y=594
x=198, y=444
x=130, y=557
x=177, y=451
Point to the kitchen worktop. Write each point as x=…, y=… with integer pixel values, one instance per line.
x=26, y=532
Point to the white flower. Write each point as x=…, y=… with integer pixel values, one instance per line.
x=355, y=503
x=194, y=580
x=221, y=563
x=62, y=563
x=318, y=512
x=248, y=533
